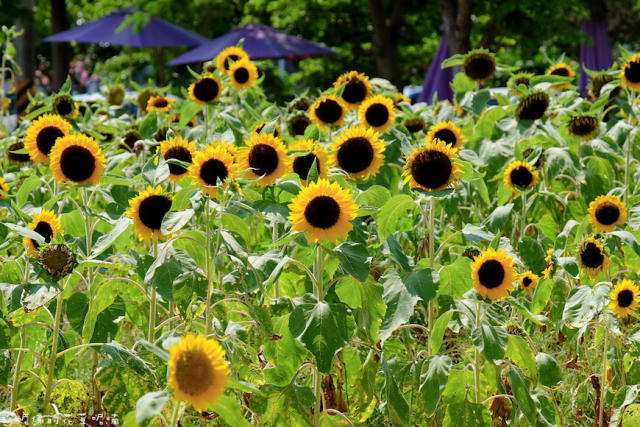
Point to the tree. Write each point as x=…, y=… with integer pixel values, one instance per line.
x=59, y=51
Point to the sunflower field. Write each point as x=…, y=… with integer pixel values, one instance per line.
x=345, y=259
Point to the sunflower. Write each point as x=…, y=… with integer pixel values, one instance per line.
x=584, y=127
x=400, y=97
x=592, y=257
x=302, y=163
x=116, y=95
x=143, y=98
x=528, y=281
x=358, y=151
x=298, y=124
x=328, y=111
x=550, y=266
x=212, y=166
x=300, y=104
x=493, y=274
x=176, y=119
x=47, y=224
x=324, y=210
x=447, y=132
x=533, y=106
x=206, y=90
x=519, y=79
x=377, y=113
x=4, y=187
x=264, y=158
x=356, y=88
x=17, y=157
x=229, y=55
x=243, y=73
x=598, y=82
x=77, y=158
x=431, y=167
x=630, y=73
x=479, y=65
x=178, y=149
x=276, y=130
x=415, y=125
x=561, y=69
x=147, y=210
x=57, y=260
x=129, y=139
x=65, y=106
x=624, y=298
x=159, y=104
x=42, y=134
x=520, y=175
x=605, y=212
x=198, y=371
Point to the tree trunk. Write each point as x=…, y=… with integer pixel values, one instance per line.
x=457, y=22
x=385, y=39
x=59, y=51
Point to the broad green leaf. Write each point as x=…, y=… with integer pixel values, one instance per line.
x=106, y=240
x=519, y=352
x=365, y=299
x=187, y=112
x=149, y=125
x=397, y=404
x=27, y=187
x=497, y=220
x=455, y=279
x=125, y=358
x=490, y=340
x=433, y=381
x=25, y=232
x=438, y=330
x=476, y=234
x=583, y=304
x=466, y=414
x=173, y=221
x=230, y=411
x=541, y=295
x=624, y=396
x=354, y=259
x=522, y=394
x=532, y=254
x=480, y=100
x=550, y=371
x=392, y=211
x=150, y=405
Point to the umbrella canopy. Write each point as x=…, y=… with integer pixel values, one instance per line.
x=260, y=42
x=595, y=56
x=156, y=33
x=438, y=79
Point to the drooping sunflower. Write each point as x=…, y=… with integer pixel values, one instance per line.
x=447, y=132
x=592, y=257
x=176, y=119
x=301, y=163
x=159, y=104
x=13, y=156
x=276, y=130
x=533, y=106
x=323, y=210
x=147, y=210
x=328, y=111
x=57, y=260
x=520, y=175
x=4, y=187
x=179, y=149
x=584, y=127
x=561, y=69
x=550, y=265
x=432, y=167
x=65, y=106
x=129, y=139
x=356, y=88
x=77, y=158
x=528, y=280
x=518, y=79
x=212, y=167
x=605, y=212
x=415, y=125
x=630, y=73
x=42, y=135
x=264, y=157
x=198, y=372
x=493, y=274
x=298, y=124
x=228, y=56
x=243, y=73
x=377, y=112
x=206, y=90
x=358, y=151
x=597, y=83
x=47, y=224
x=300, y=104
x=143, y=98
x=479, y=65
x=624, y=298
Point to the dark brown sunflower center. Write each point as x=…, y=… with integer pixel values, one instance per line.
x=212, y=171
x=560, y=72
x=591, y=256
x=479, y=66
x=178, y=153
x=160, y=103
x=194, y=374
x=16, y=146
x=431, y=169
x=625, y=298
x=206, y=89
x=58, y=260
x=523, y=81
x=491, y=274
x=355, y=155
x=582, y=126
x=447, y=136
x=153, y=209
x=302, y=165
x=45, y=230
x=521, y=177
x=262, y=125
x=415, y=125
x=47, y=138
x=263, y=159
x=131, y=138
x=607, y=214
x=64, y=107
x=298, y=124
x=533, y=107
x=526, y=282
x=322, y=212
x=229, y=59
x=632, y=72
x=354, y=92
x=377, y=115
x=77, y=163
x=329, y=111
x=302, y=104
x=241, y=75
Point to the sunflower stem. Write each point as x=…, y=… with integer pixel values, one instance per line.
x=476, y=360
x=205, y=110
x=603, y=377
x=627, y=163
x=523, y=220
x=54, y=352
x=317, y=290
x=431, y=226
x=152, y=304
x=16, y=374
x=177, y=413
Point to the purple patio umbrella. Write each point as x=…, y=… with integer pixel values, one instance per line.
x=260, y=42
x=438, y=79
x=596, y=55
x=156, y=33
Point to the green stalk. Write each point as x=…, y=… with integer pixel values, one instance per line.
x=317, y=290
x=431, y=227
x=54, y=352
x=523, y=220
x=207, y=255
x=476, y=360
x=153, y=303
x=16, y=374
x=603, y=377
x=627, y=163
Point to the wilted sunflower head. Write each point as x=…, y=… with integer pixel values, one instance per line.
x=377, y=113
x=129, y=139
x=57, y=260
x=448, y=133
x=624, y=298
x=264, y=157
x=309, y=151
x=180, y=149
x=212, y=167
x=432, y=167
x=563, y=70
x=520, y=175
x=493, y=274
x=323, y=210
x=592, y=257
x=77, y=158
x=479, y=65
x=159, y=104
x=228, y=56
x=300, y=104
x=298, y=124
x=13, y=156
x=415, y=125
x=584, y=127
x=598, y=82
x=65, y=106
x=518, y=79
x=356, y=88
x=358, y=151
x=605, y=212
x=198, y=372
x=47, y=224
x=147, y=210
x=630, y=73
x=243, y=74
x=276, y=130
x=115, y=96
x=328, y=111
x=42, y=135
x=528, y=281
x=533, y=106
x=143, y=98
x=206, y=90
